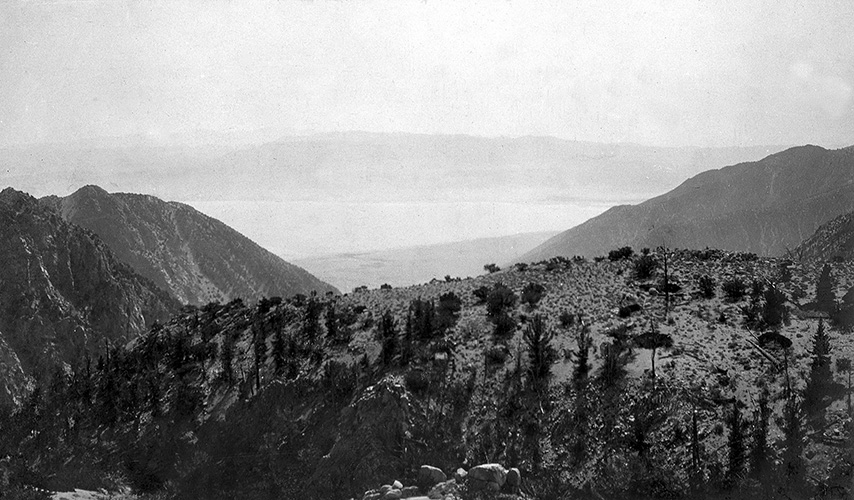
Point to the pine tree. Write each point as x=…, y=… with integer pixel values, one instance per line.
x=388, y=338
x=793, y=443
x=541, y=354
x=735, y=445
x=226, y=355
x=820, y=381
x=278, y=352
x=760, y=452
x=824, y=296
x=582, y=362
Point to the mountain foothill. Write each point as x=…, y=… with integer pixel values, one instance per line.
x=697, y=344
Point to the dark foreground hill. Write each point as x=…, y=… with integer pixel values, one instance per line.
x=584, y=375
x=62, y=294
x=764, y=207
x=196, y=258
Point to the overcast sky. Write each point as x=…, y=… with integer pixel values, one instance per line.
x=658, y=73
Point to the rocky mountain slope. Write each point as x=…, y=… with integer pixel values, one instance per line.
x=330, y=398
x=834, y=240
x=62, y=293
x=764, y=207
x=194, y=257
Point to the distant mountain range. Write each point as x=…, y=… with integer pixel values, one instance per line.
x=62, y=292
x=419, y=264
x=765, y=207
x=194, y=257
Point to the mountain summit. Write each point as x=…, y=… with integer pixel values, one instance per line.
x=62, y=293
x=764, y=207
x=196, y=258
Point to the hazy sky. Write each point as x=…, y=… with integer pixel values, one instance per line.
x=661, y=73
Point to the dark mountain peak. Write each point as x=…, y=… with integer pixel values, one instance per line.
x=762, y=207
x=197, y=258
x=10, y=196
x=63, y=290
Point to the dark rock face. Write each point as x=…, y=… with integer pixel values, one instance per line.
x=194, y=257
x=372, y=431
x=62, y=291
x=832, y=241
x=764, y=207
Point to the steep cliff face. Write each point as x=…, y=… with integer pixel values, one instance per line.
x=194, y=257
x=763, y=207
x=62, y=291
x=832, y=241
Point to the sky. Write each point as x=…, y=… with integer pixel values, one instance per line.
x=675, y=73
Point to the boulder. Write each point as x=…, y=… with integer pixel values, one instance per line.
x=393, y=494
x=409, y=492
x=514, y=478
x=489, y=477
x=443, y=489
x=372, y=495
x=385, y=489
x=397, y=484
x=429, y=476
x=460, y=475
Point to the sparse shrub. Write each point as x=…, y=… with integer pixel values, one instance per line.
x=505, y=325
x=491, y=268
x=621, y=254
x=500, y=299
x=481, y=293
x=645, y=266
x=417, y=381
x=496, y=355
x=599, y=258
x=734, y=289
x=532, y=294
x=567, y=319
x=521, y=267
x=707, y=286
x=448, y=310
x=385, y=286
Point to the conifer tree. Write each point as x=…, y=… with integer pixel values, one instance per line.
x=735, y=445
x=760, y=452
x=820, y=381
x=541, y=354
x=824, y=296
x=388, y=338
x=278, y=352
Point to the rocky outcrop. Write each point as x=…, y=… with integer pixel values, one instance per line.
x=489, y=477
x=62, y=292
x=763, y=207
x=196, y=258
x=373, y=434
x=832, y=241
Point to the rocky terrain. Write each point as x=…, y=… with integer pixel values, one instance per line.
x=764, y=207
x=833, y=241
x=194, y=257
x=611, y=378
x=62, y=294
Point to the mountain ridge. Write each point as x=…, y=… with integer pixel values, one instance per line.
x=197, y=258
x=63, y=293
x=763, y=207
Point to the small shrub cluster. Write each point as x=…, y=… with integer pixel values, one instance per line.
x=734, y=288
x=621, y=254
